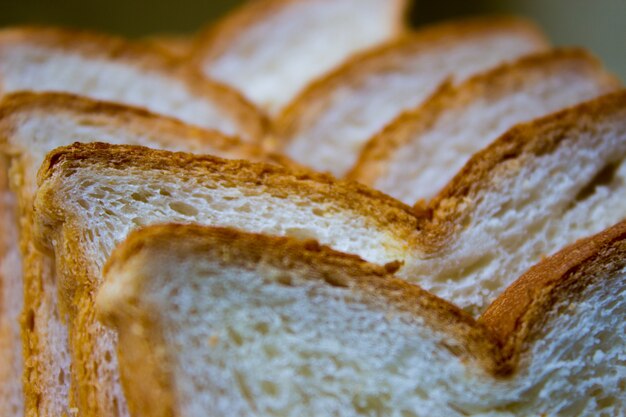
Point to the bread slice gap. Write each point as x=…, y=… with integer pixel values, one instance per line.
x=418, y=153
x=32, y=124
x=271, y=49
x=327, y=125
x=108, y=68
x=219, y=322
x=540, y=187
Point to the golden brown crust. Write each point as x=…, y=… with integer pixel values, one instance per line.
x=216, y=39
x=495, y=341
x=441, y=221
x=314, y=100
x=39, y=271
x=309, y=261
x=382, y=210
x=526, y=303
x=77, y=293
x=14, y=108
x=249, y=120
x=178, y=46
x=376, y=156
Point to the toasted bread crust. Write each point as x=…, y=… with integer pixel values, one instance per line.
x=77, y=293
x=523, y=307
x=15, y=107
x=249, y=120
x=495, y=341
x=313, y=101
x=216, y=38
x=383, y=211
x=376, y=155
x=310, y=261
x=441, y=219
x=176, y=45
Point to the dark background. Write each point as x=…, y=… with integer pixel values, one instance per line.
x=599, y=25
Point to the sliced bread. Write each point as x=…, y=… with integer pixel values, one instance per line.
x=92, y=195
x=538, y=188
x=217, y=322
x=271, y=49
x=326, y=126
x=109, y=68
x=416, y=155
x=31, y=124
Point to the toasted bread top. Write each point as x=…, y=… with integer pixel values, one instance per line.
x=249, y=120
x=387, y=213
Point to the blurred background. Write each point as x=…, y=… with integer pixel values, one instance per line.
x=599, y=25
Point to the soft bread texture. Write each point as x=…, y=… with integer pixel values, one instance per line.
x=539, y=187
x=32, y=124
x=108, y=68
x=487, y=227
x=420, y=151
x=217, y=322
x=326, y=126
x=92, y=195
x=271, y=49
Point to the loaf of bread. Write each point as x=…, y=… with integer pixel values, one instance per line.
x=249, y=280
x=472, y=242
x=218, y=322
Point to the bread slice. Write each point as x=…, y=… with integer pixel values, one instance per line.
x=271, y=49
x=218, y=322
x=416, y=155
x=92, y=195
x=31, y=125
x=109, y=68
x=326, y=126
x=541, y=186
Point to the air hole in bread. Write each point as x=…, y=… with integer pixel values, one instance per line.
x=301, y=233
x=604, y=177
x=270, y=388
x=139, y=197
x=183, y=208
x=30, y=320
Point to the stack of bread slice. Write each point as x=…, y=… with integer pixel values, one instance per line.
x=249, y=280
